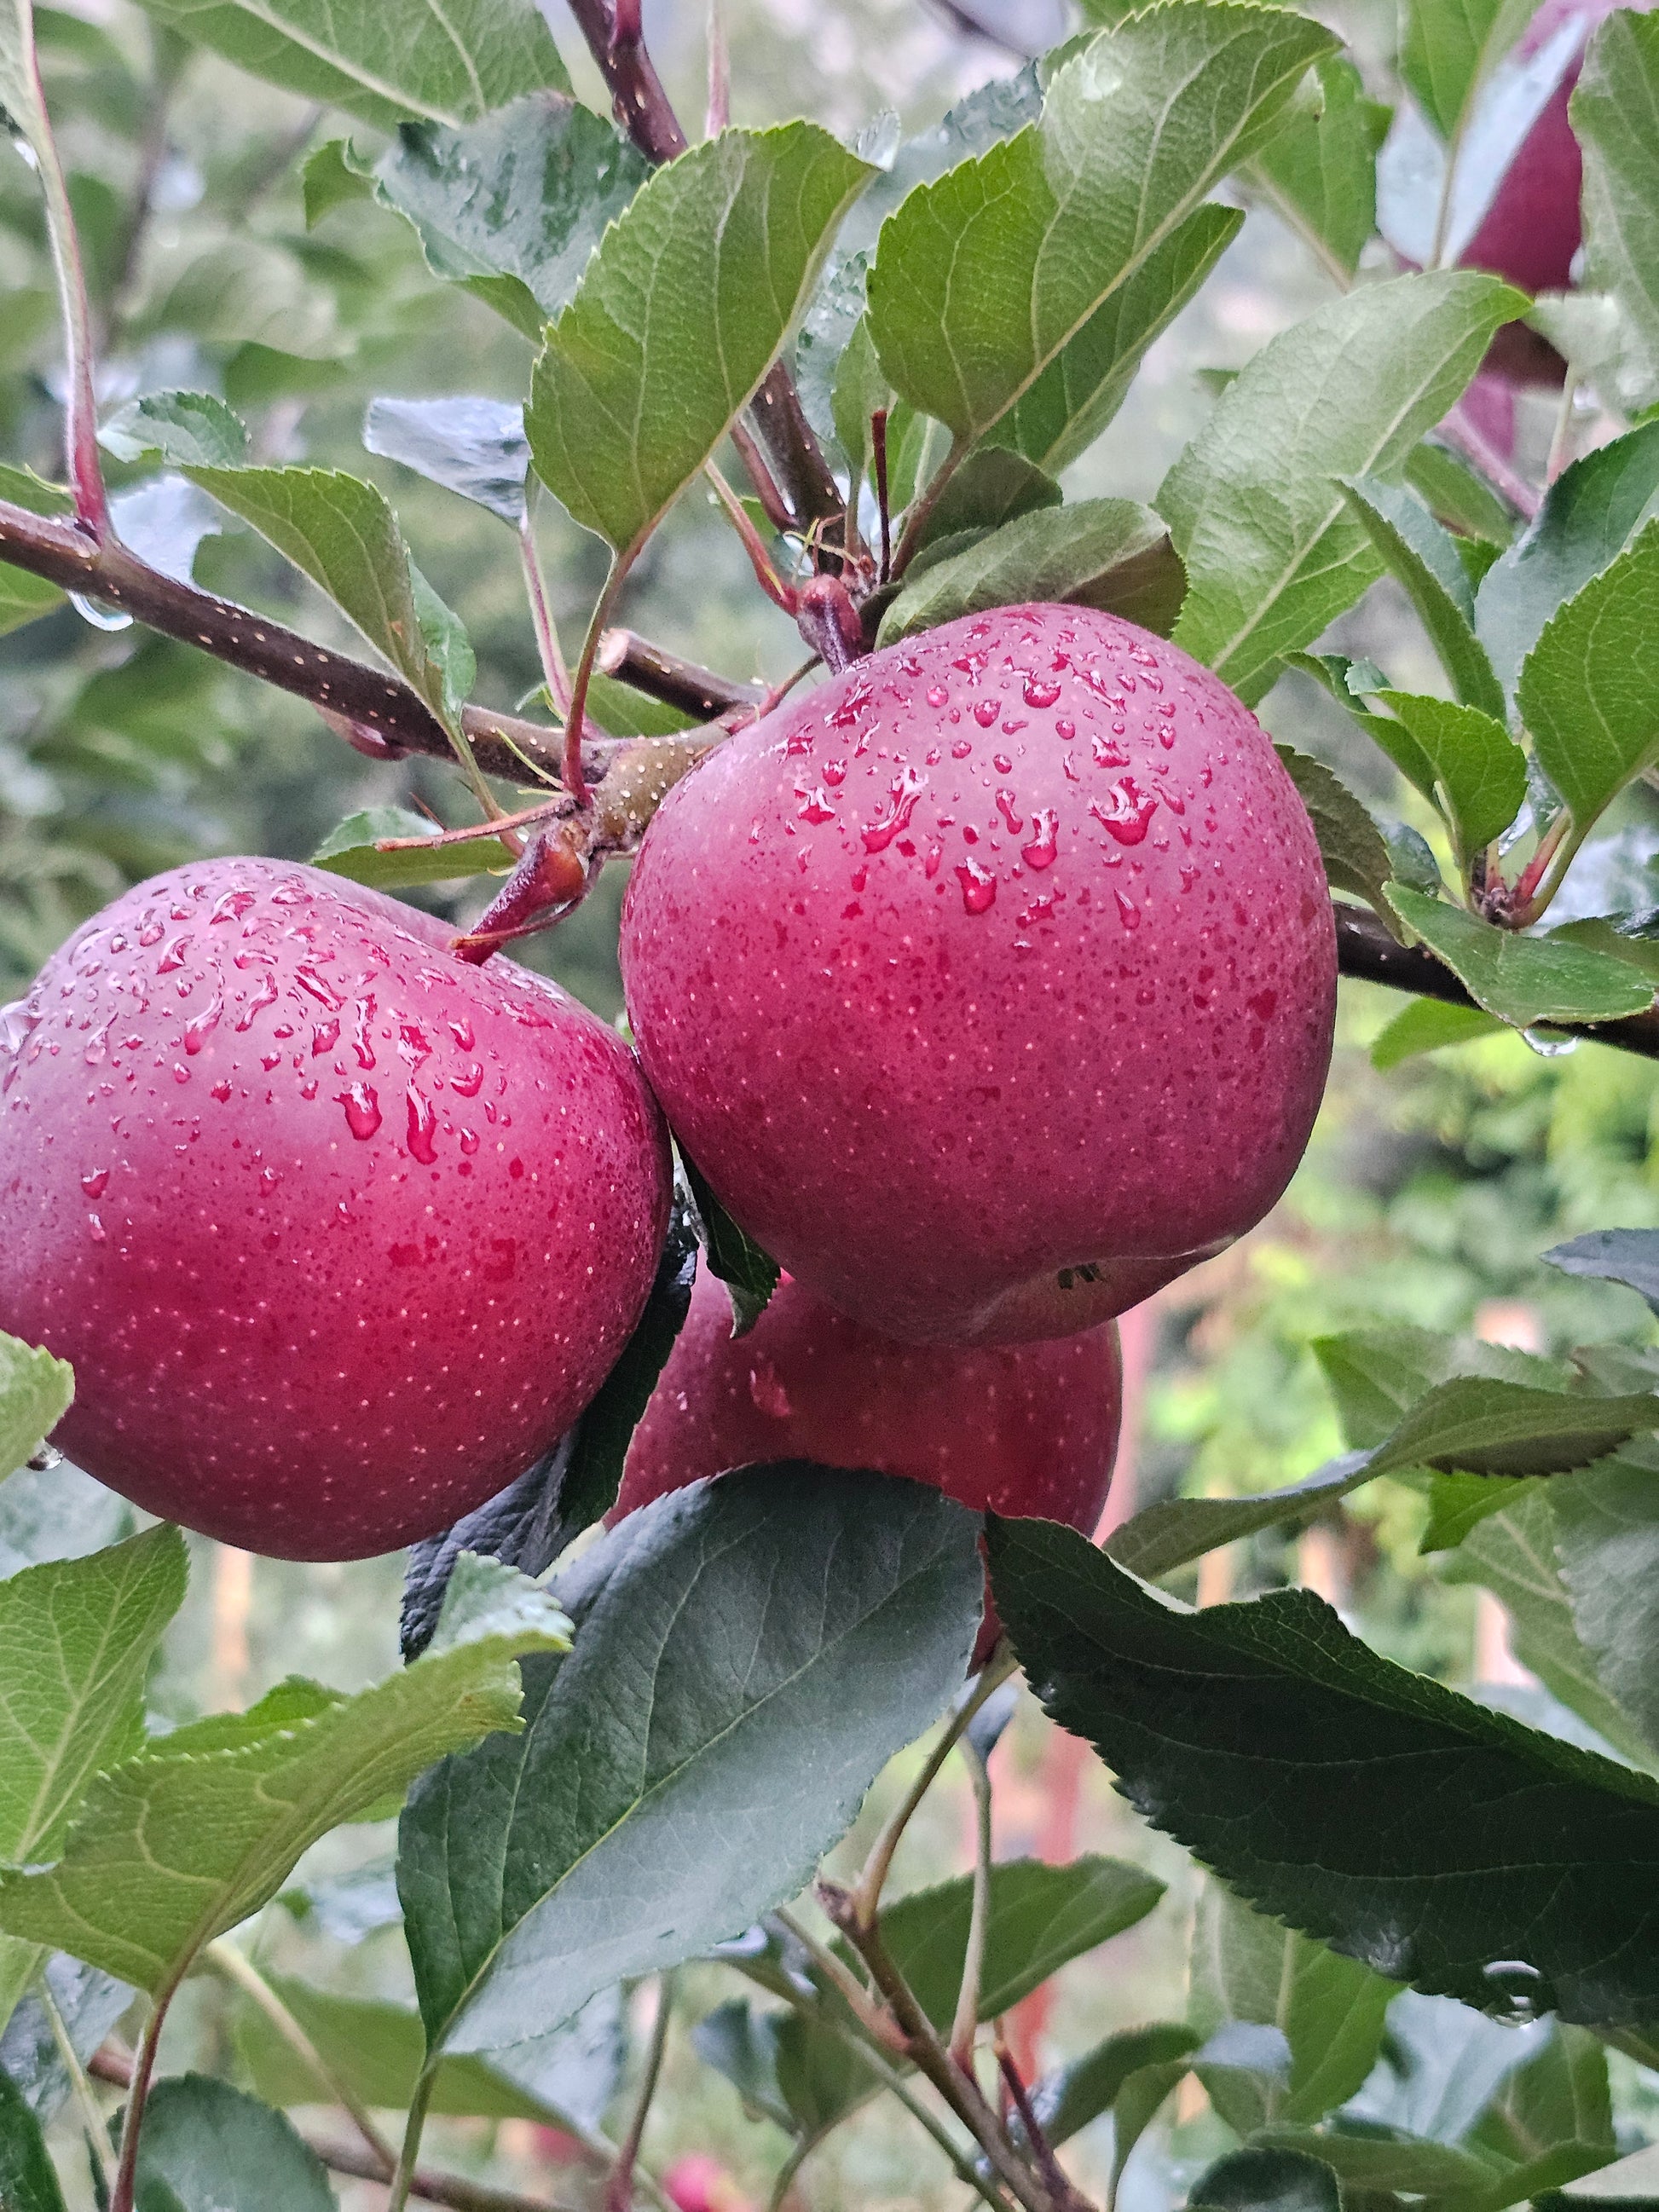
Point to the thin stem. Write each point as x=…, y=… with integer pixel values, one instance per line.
x=92, y=2120
x=576, y=781
x=1053, y=2175
x=556, y=674
x=781, y=594
x=1561, y=435
x=965, y=2026
x=1464, y=432
x=719, y=112
x=242, y=1974
x=866, y=1891
x=879, y=452
x=168, y=53
x=85, y=471
x=619, y=2188
x=922, y=505
x=402, y=2180
x=137, y=2095
x=697, y=691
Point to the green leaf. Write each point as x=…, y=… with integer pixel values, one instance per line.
x=28, y=2181
x=859, y=391
x=1462, y=759
x=1041, y=1918
x=35, y=1390
x=993, y=486
x=1074, y=399
x=1424, y=559
x=1349, y=844
x=791, y=2069
x=1513, y=1554
x=1427, y=1025
x=1614, y=1256
x=1589, y=515
x=1605, y=1523
x=349, y=849
x=1327, y=2009
x=183, y=427
x=1267, y=2180
x=1167, y=1536
x=1589, y=690
x=1459, y=1502
x=332, y=177
x=1477, y=1425
x=1320, y=169
x=176, y=1845
x=341, y=532
x=449, y=64
x=77, y=1638
x=1387, y=2161
x=207, y=2147
x=678, y=318
x=1273, y=553
x=750, y=1274
x=749, y=1654
x=1615, y=117
x=1523, y=980
x=1357, y=1802
x=379, y=2049
x=1452, y=490
x=1448, y=48
x=1105, y=553
x=25, y=598
x=511, y=207
x=473, y=446
x=1067, y=2100
x=24, y=489
x=982, y=279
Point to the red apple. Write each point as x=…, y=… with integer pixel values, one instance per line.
x=990, y=986
x=337, y=1231
x=1026, y=1429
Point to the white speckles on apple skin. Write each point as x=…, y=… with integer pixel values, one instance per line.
x=371, y=1225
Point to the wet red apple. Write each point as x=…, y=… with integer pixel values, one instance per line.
x=992, y=985
x=1023, y=1429
x=337, y=1231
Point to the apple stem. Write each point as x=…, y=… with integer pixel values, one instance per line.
x=144, y=2066
x=403, y=2178
x=619, y=2187
x=965, y=2024
x=830, y=622
x=554, y=672
x=85, y=465
x=879, y=452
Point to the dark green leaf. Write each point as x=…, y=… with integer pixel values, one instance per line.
x=1442, y=1843
x=378, y=2048
x=1167, y=1536
x=28, y=2181
x=349, y=850
x=1272, y=552
x=1349, y=844
x=1449, y=47
x=1606, y=1525
x=1427, y=1025
x=1615, y=117
x=1589, y=690
x=1614, y=1256
x=1069, y=2099
x=992, y=486
x=1481, y=1425
x=1382, y=2161
x=1074, y=399
x=1105, y=553
x=183, y=427
x=1462, y=759
x=1523, y=980
x=1465, y=501
x=1267, y=2181
x=1589, y=515
x=511, y=206
x=206, y=2148
x=678, y=318
x=750, y=1275
x=473, y=446
x=1320, y=169
x=749, y=1654
x=35, y=1390
x=984, y=278
x=742, y=2044
x=448, y=65
x=993, y=112
x=1424, y=560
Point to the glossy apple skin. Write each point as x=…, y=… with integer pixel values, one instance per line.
x=1006, y=953
x=337, y=1231
x=1028, y=1429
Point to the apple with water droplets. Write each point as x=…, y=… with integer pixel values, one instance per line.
x=339, y=1232
x=992, y=985
x=1028, y=1429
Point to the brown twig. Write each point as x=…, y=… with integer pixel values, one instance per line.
x=634, y=660
x=619, y=2185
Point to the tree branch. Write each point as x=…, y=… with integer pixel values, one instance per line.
x=634, y=660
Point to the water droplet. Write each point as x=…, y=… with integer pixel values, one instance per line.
x=1520, y=1986
x=1549, y=1048
x=412, y=1045
x=1064, y=727
x=232, y=907
x=175, y=954
x=309, y=980
x=152, y=931
x=1128, y=910
x=814, y=805
x=1040, y=691
x=221, y=1090
x=469, y=1081
x=94, y=1229
x=96, y=1183
x=363, y=1109
x=181, y=1073
x=200, y=1027
x=1129, y=813
x=100, y=617
x=1005, y=808
x=17, y=1021
x=979, y=885
x=98, y=1044
x=961, y=749
x=422, y=1127
x=937, y=695
x=308, y=1088
x=264, y=996
x=1045, y=831
x=469, y=1142
x=986, y=711
x=364, y=1014
x=902, y=794
x=459, y=1028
